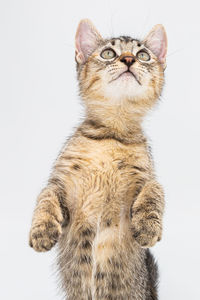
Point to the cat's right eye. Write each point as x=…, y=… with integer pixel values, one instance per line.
x=108, y=53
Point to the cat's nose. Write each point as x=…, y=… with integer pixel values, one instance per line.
x=128, y=60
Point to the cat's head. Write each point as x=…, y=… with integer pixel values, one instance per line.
x=114, y=70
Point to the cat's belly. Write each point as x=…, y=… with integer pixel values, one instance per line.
x=100, y=213
x=103, y=203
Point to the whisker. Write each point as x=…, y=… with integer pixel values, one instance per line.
x=112, y=15
x=162, y=98
x=69, y=45
x=175, y=52
x=141, y=34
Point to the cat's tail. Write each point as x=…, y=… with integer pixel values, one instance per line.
x=152, y=269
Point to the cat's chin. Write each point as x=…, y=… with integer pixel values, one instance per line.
x=125, y=87
x=126, y=76
x=129, y=76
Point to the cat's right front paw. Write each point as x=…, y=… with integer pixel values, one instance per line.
x=44, y=235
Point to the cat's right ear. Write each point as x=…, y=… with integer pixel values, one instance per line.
x=86, y=41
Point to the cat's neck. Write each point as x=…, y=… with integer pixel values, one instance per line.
x=120, y=122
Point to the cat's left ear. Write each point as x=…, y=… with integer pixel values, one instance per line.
x=156, y=41
x=86, y=41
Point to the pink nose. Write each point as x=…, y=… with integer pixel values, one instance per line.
x=128, y=60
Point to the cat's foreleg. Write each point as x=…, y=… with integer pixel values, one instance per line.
x=147, y=212
x=49, y=216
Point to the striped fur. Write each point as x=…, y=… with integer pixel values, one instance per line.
x=103, y=205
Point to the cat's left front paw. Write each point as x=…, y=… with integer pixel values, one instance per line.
x=146, y=228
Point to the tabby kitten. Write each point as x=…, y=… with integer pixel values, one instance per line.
x=102, y=204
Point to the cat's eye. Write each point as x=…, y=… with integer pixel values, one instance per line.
x=108, y=53
x=143, y=55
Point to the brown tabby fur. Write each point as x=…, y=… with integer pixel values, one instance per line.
x=102, y=204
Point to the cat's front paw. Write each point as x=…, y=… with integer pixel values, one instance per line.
x=44, y=234
x=146, y=228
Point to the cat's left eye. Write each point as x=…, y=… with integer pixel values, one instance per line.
x=143, y=55
x=108, y=54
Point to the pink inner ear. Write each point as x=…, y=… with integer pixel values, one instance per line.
x=86, y=40
x=157, y=42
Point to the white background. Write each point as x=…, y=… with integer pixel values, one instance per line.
x=40, y=107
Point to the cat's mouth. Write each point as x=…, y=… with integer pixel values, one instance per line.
x=127, y=73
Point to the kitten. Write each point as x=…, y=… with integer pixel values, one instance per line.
x=102, y=204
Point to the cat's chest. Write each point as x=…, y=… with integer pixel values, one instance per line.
x=105, y=156
x=103, y=177
x=104, y=171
